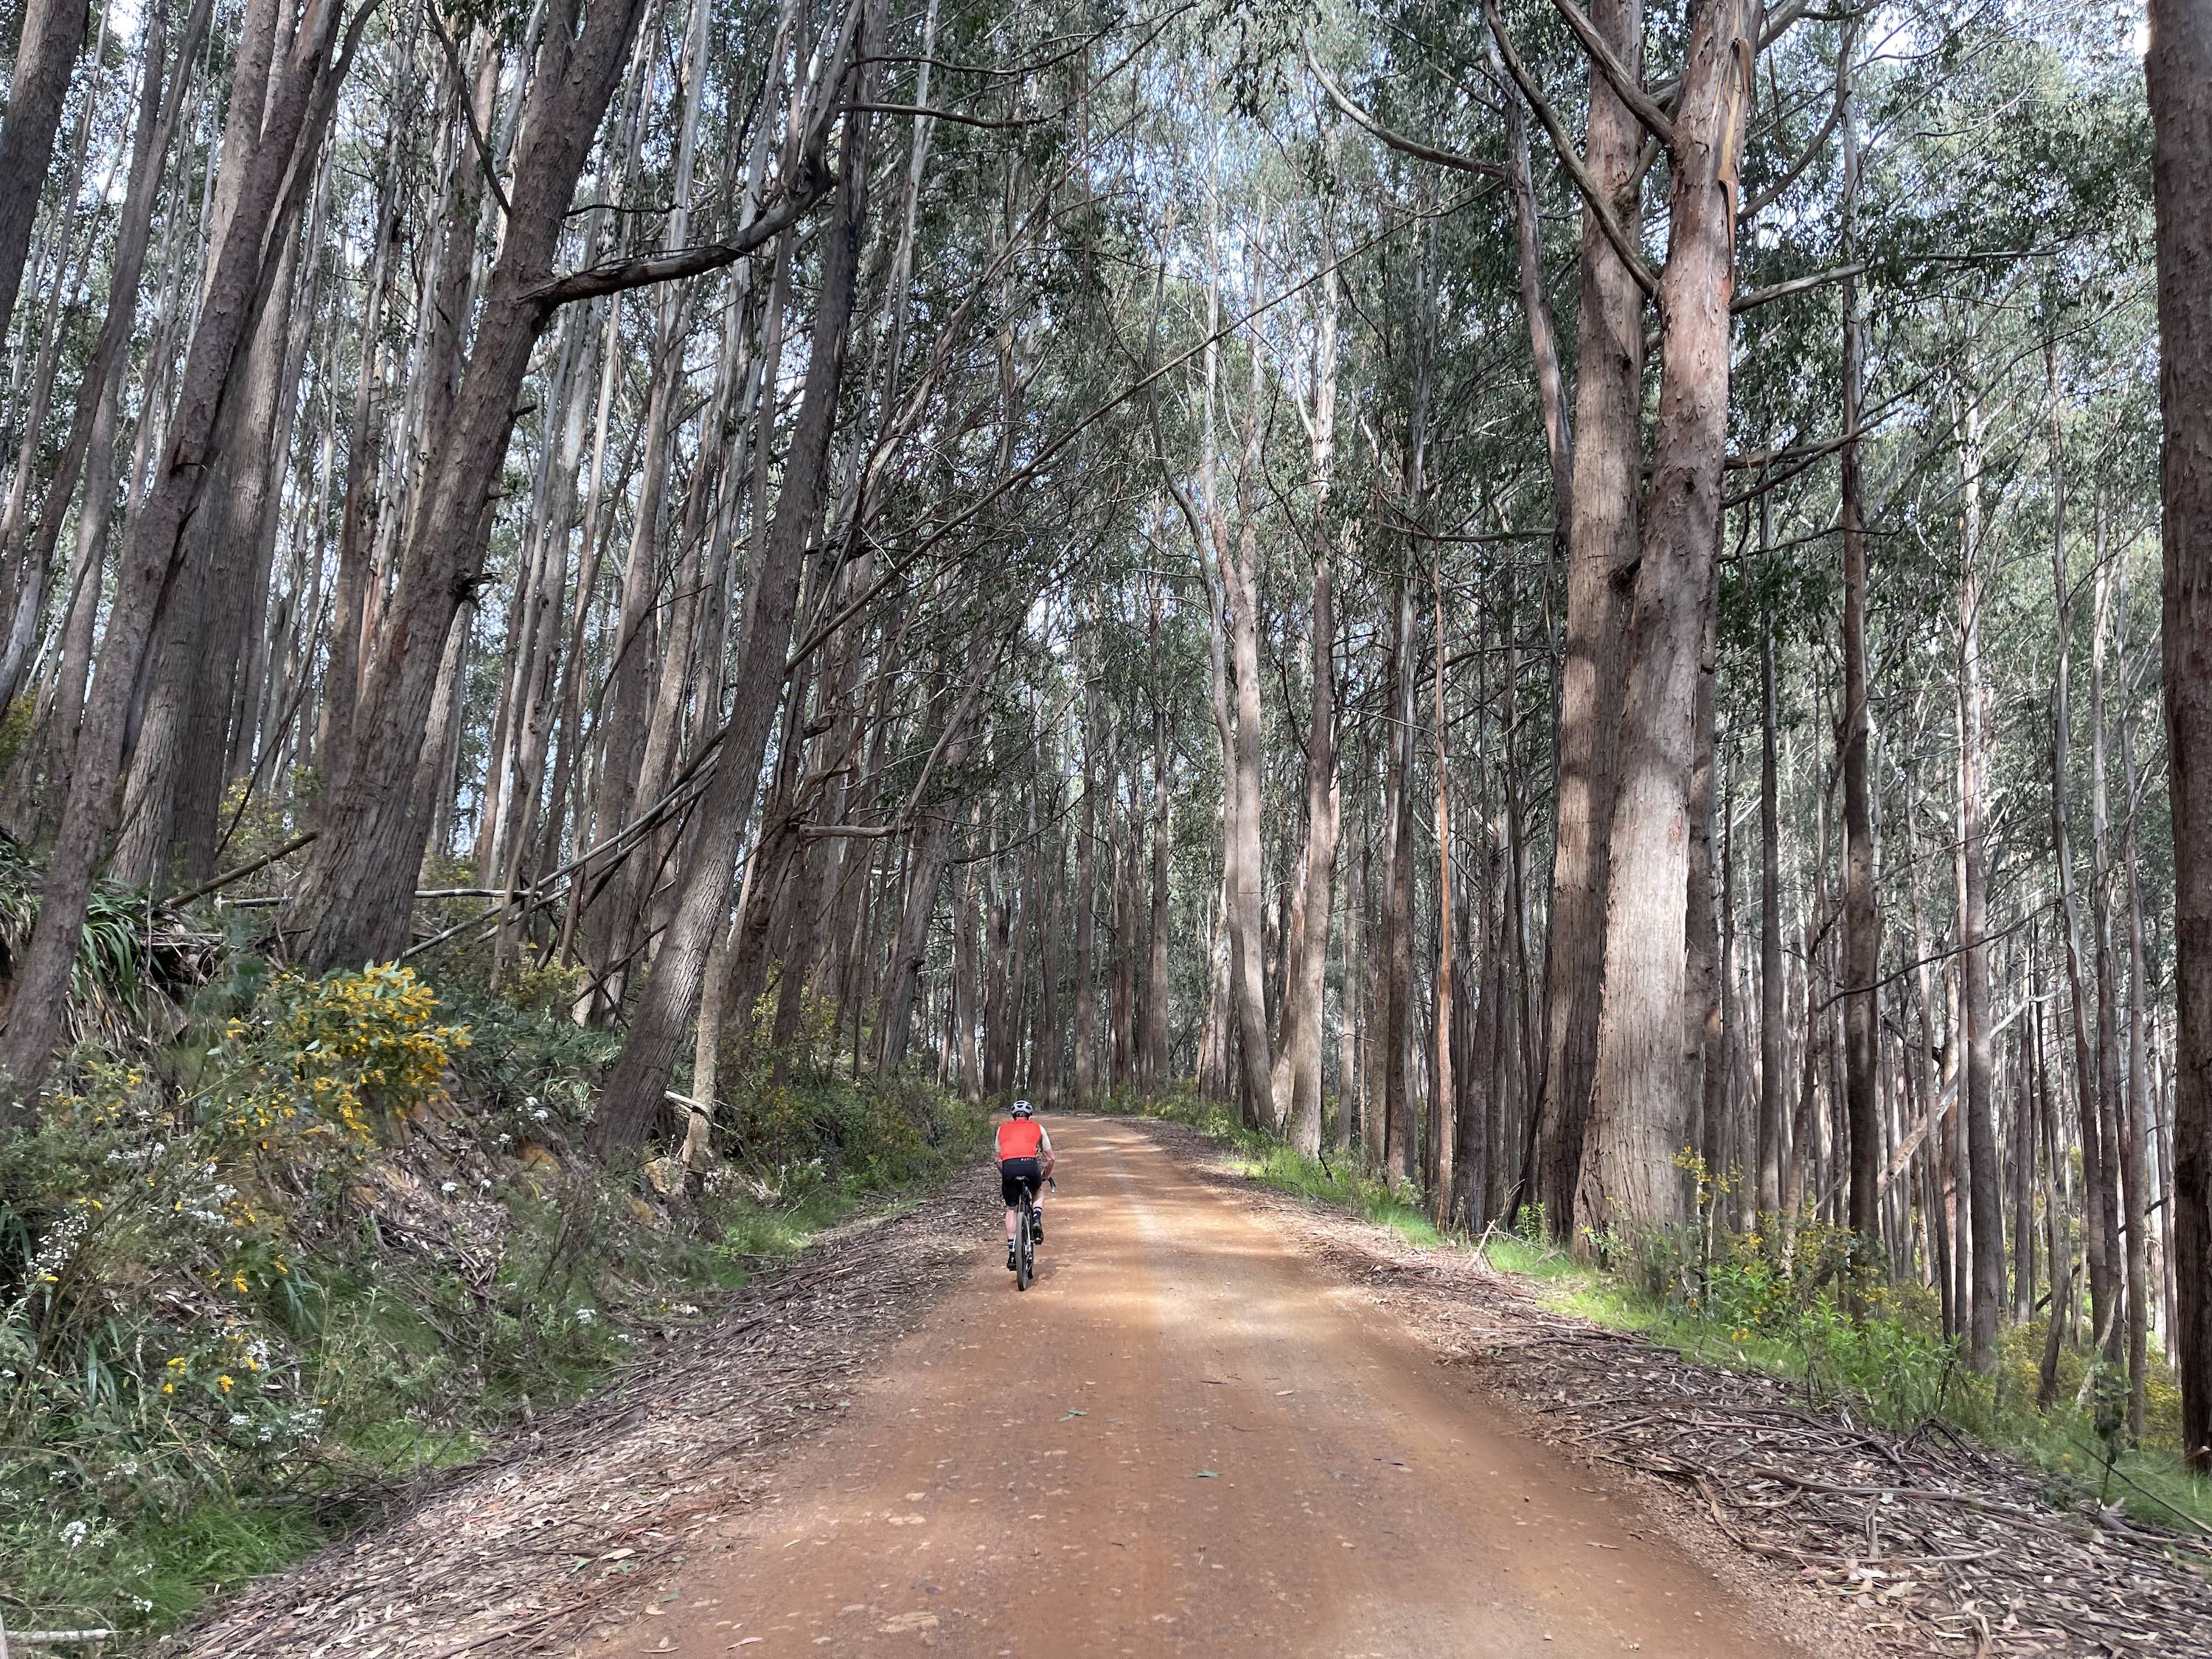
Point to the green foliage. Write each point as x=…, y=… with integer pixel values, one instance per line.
x=1818, y=1314
x=253, y=1280
x=16, y=723
x=795, y=1122
x=340, y=1050
x=530, y=1069
x=1345, y=1185
x=136, y=963
x=1183, y=1105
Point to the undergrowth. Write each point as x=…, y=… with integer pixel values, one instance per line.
x=1816, y=1315
x=332, y=1237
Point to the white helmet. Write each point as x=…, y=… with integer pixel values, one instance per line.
x=1023, y=1108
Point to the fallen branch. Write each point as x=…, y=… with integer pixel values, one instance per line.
x=225, y=880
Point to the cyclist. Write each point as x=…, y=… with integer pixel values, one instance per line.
x=1024, y=1158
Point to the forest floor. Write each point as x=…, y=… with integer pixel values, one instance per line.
x=1224, y=1420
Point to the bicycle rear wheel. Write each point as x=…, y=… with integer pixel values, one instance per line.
x=1025, y=1248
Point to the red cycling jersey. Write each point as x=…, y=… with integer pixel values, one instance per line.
x=1020, y=1137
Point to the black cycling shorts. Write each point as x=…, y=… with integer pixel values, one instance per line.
x=1015, y=1174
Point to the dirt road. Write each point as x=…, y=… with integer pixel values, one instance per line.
x=1186, y=1437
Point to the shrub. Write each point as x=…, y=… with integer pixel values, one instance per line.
x=342, y=1050
x=328, y=1235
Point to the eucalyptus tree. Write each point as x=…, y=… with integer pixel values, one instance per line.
x=2179, y=64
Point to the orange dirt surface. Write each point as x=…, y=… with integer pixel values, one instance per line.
x=1185, y=1438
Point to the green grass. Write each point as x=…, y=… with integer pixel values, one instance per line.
x=134, y=1509
x=393, y=1422
x=174, y=1566
x=1343, y=1184
x=1896, y=1373
x=1892, y=1367
x=752, y=1234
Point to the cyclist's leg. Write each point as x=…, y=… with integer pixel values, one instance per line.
x=1022, y=1176
x=1010, y=1190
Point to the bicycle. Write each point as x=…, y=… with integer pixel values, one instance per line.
x=1025, y=1231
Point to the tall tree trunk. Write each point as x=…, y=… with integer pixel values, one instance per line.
x=1987, y=1219
x=1638, y=1110
x=1535, y=296
x=1397, y=978
x=967, y=969
x=91, y=422
x=611, y=924
x=1124, y=1001
x=354, y=897
x=1444, y=1097
x=2179, y=71
x=341, y=667
x=1702, y=1060
x=1241, y=576
x=178, y=764
x=2112, y=1106
x=355, y=894
x=1774, y=1061
x=925, y=861
x=1086, y=891
x=2136, y=1125
x=1723, y=1024
x=2099, y=1219
x=1475, y=1034
x=1813, y=1049
x=1214, y=1040
x=1048, y=1034
x=1861, y=921
x=1298, y=1074
x=1602, y=548
x=1351, y=1098
x=1934, y=1120
x=1157, y=983
x=52, y=35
